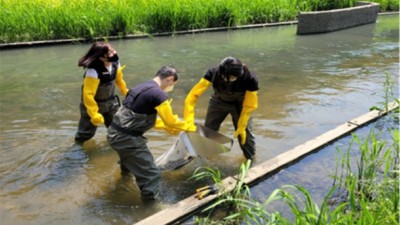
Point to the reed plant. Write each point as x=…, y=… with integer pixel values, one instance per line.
x=32, y=20
x=207, y=172
x=388, y=5
x=372, y=189
x=368, y=192
x=317, y=5
x=236, y=206
x=388, y=96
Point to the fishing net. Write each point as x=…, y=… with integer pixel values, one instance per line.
x=204, y=142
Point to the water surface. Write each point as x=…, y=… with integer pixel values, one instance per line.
x=308, y=85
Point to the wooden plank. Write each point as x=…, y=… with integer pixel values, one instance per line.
x=184, y=207
x=187, y=206
x=297, y=152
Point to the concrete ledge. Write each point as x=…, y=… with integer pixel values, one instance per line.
x=333, y=20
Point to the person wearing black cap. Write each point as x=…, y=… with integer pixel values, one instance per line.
x=235, y=93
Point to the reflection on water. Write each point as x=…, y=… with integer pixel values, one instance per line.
x=308, y=85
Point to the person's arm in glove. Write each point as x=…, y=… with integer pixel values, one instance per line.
x=250, y=103
x=170, y=120
x=161, y=126
x=191, y=99
x=90, y=86
x=119, y=81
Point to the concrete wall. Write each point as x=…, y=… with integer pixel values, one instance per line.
x=332, y=20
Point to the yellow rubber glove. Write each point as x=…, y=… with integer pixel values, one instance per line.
x=161, y=126
x=191, y=100
x=170, y=120
x=97, y=119
x=90, y=86
x=119, y=81
x=250, y=103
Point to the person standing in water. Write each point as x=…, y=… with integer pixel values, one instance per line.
x=99, y=102
x=235, y=93
x=136, y=116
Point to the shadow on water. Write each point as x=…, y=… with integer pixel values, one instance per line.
x=308, y=85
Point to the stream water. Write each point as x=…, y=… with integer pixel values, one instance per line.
x=308, y=85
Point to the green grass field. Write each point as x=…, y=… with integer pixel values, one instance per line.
x=32, y=20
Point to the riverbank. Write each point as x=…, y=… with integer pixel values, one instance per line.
x=140, y=36
x=40, y=20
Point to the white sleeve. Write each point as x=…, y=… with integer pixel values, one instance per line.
x=91, y=73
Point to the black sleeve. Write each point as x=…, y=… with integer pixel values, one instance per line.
x=210, y=74
x=159, y=97
x=252, y=82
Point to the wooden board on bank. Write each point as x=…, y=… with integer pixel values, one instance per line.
x=188, y=206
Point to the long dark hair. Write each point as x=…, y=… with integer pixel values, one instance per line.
x=92, y=57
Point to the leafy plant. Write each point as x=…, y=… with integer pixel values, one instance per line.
x=237, y=203
x=388, y=95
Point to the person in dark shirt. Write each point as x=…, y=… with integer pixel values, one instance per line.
x=137, y=115
x=235, y=93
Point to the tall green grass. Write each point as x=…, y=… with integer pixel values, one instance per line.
x=388, y=94
x=371, y=188
x=388, y=5
x=31, y=20
x=368, y=192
